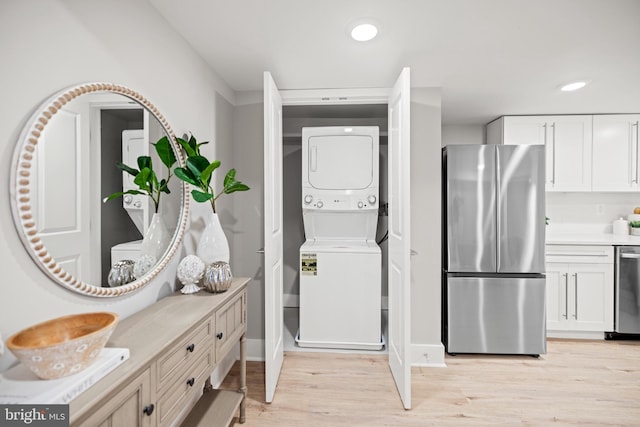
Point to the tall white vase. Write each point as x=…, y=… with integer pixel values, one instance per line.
x=213, y=245
x=157, y=238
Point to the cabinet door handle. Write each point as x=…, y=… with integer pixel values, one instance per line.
x=220, y=335
x=191, y=347
x=575, y=296
x=637, y=149
x=148, y=410
x=566, y=295
x=191, y=382
x=553, y=153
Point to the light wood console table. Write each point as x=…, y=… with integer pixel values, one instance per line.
x=175, y=345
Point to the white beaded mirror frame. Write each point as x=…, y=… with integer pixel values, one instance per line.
x=20, y=191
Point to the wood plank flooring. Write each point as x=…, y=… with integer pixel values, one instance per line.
x=582, y=383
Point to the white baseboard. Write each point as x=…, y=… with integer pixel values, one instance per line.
x=293, y=300
x=428, y=355
x=586, y=335
x=255, y=350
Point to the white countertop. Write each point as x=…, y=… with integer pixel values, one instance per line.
x=587, y=234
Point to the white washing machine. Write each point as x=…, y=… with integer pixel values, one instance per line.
x=340, y=262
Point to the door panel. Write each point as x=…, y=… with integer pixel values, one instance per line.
x=62, y=206
x=521, y=208
x=399, y=339
x=471, y=203
x=273, y=258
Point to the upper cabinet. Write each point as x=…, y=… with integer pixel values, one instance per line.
x=567, y=139
x=616, y=152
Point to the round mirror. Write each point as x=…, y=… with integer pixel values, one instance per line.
x=81, y=146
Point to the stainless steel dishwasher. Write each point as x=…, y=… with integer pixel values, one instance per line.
x=627, y=290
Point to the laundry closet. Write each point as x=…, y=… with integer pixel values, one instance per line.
x=304, y=314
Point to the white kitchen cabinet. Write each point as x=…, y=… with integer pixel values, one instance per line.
x=568, y=142
x=579, y=290
x=616, y=153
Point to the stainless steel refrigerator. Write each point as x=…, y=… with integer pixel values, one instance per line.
x=493, y=257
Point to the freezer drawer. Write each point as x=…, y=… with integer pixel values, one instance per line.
x=501, y=315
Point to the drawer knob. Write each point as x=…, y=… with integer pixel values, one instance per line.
x=191, y=347
x=191, y=382
x=220, y=335
x=148, y=410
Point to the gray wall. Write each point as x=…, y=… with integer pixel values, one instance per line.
x=54, y=44
x=463, y=134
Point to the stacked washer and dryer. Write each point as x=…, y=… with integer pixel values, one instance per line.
x=340, y=261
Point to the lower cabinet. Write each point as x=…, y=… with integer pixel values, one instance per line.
x=579, y=289
x=130, y=407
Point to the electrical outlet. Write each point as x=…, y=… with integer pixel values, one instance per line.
x=599, y=210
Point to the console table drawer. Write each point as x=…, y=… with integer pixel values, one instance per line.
x=184, y=388
x=231, y=323
x=182, y=354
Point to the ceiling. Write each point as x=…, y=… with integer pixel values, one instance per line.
x=490, y=57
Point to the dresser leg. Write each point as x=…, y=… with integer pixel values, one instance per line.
x=243, y=376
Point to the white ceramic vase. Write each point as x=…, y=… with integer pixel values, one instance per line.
x=157, y=238
x=213, y=245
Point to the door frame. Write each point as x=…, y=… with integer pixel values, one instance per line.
x=347, y=96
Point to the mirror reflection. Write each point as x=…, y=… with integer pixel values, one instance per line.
x=74, y=168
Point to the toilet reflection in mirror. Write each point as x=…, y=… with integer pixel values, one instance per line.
x=75, y=168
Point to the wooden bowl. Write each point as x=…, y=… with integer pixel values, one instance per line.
x=63, y=346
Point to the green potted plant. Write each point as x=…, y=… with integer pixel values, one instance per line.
x=146, y=178
x=635, y=227
x=198, y=172
x=156, y=239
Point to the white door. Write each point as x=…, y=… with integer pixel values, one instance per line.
x=62, y=203
x=399, y=339
x=273, y=295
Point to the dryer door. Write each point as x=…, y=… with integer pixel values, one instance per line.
x=341, y=162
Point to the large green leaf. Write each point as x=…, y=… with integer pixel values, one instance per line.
x=143, y=181
x=230, y=177
x=165, y=151
x=186, y=176
x=235, y=186
x=144, y=162
x=205, y=176
x=128, y=169
x=199, y=196
x=187, y=148
x=197, y=165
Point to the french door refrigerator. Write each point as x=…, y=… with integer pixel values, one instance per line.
x=493, y=257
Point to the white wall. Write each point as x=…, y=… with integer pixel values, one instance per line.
x=462, y=134
x=47, y=45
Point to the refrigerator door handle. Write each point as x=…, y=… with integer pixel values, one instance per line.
x=498, y=202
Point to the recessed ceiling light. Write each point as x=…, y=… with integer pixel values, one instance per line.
x=364, y=32
x=573, y=86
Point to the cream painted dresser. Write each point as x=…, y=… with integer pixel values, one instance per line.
x=175, y=345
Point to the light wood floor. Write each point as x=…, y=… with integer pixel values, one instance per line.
x=584, y=383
